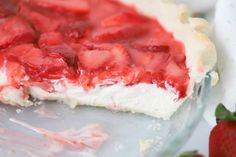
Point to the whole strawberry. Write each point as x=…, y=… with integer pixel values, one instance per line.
x=222, y=142
x=190, y=154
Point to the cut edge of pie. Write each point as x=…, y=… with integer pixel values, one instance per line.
x=140, y=98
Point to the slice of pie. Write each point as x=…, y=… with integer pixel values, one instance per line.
x=142, y=56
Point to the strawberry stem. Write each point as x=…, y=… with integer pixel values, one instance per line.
x=222, y=113
x=188, y=154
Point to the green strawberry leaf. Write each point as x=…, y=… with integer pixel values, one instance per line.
x=222, y=113
x=188, y=154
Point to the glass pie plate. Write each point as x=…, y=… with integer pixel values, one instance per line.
x=130, y=135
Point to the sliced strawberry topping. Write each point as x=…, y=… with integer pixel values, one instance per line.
x=141, y=59
x=26, y=54
x=174, y=76
x=56, y=67
x=41, y=22
x=119, y=33
x=73, y=6
x=88, y=42
x=177, y=53
x=150, y=61
x=120, y=57
x=67, y=52
x=76, y=30
x=7, y=7
x=122, y=19
x=2, y=58
x=143, y=77
x=38, y=65
x=50, y=38
x=157, y=60
x=14, y=30
x=94, y=59
x=173, y=70
x=85, y=81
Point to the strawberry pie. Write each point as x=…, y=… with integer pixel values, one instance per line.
x=142, y=56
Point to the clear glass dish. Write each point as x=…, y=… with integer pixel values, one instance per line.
x=128, y=133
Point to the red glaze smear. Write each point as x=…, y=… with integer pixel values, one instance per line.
x=84, y=141
x=89, y=42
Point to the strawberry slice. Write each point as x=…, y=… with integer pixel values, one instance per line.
x=50, y=38
x=177, y=76
x=159, y=62
x=94, y=59
x=14, y=30
x=38, y=64
x=113, y=34
x=40, y=21
x=64, y=50
x=152, y=48
x=26, y=54
x=75, y=30
x=7, y=7
x=121, y=19
x=120, y=57
x=140, y=59
x=177, y=53
x=154, y=62
x=143, y=77
x=52, y=42
x=173, y=70
x=56, y=67
x=73, y=6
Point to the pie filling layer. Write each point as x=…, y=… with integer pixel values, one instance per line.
x=87, y=43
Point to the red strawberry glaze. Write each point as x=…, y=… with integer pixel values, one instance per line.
x=90, y=42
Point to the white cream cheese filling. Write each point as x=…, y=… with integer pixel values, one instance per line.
x=141, y=98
